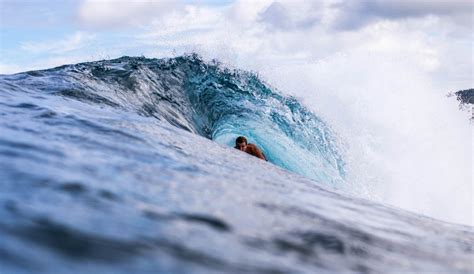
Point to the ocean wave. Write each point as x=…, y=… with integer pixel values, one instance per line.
x=204, y=98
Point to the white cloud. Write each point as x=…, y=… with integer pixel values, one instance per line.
x=245, y=12
x=351, y=15
x=119, y=14
x=70, y=43
x=295, y=15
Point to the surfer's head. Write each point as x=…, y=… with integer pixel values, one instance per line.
x=241, y=143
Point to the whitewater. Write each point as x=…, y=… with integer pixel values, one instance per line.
x=127, y=166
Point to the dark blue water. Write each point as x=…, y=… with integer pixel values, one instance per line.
x=125, y=166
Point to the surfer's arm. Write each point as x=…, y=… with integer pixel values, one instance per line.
x=260, y=154
x=257, y=152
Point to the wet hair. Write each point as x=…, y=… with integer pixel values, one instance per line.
x=240, y=139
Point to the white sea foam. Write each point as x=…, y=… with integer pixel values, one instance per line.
x=407, y=144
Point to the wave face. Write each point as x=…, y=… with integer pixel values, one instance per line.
x=105, y=170
x=211, y=101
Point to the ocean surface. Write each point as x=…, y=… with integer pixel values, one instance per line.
x=127, y=166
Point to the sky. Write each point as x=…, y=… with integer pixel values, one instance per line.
x=378, y=71
x=45, y=33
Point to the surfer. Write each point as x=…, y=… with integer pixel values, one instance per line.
x=241, y=144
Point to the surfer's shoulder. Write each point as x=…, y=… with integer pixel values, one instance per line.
x=252, y=147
